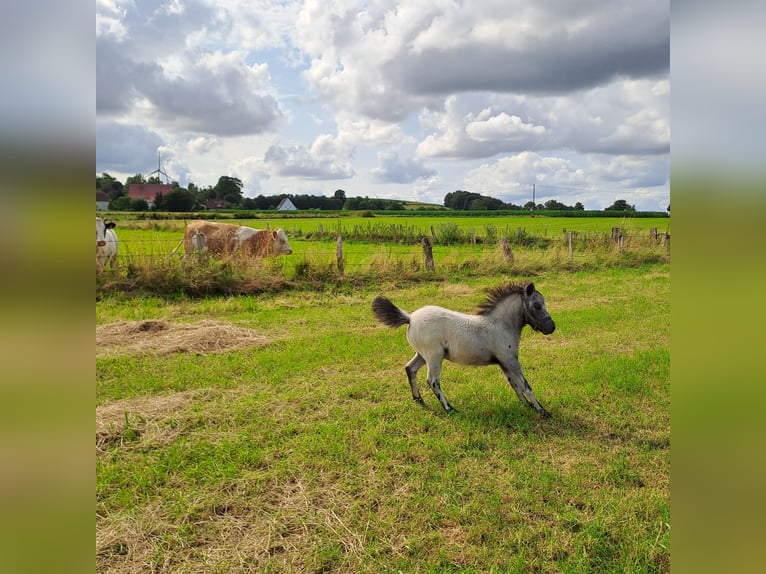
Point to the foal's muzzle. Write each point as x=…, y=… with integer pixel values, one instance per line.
x=547, y=327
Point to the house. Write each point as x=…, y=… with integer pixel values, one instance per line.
x=102, y=200
x=148, y=191
x=286, y=205
x=214, y=203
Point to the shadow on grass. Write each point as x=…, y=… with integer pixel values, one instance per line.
x=515, y=418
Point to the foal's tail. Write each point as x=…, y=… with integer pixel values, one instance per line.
x=388, y=313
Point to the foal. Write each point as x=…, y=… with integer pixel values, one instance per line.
x=490, y=337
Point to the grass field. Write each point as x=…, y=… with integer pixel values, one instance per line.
x=302, y=451
x=379, y=249
x=161, y=236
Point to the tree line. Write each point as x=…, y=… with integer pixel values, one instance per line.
x=229, y=191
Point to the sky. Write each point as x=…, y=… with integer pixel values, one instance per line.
x=400, y=100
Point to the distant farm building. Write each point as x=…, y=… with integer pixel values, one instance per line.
x=102, y=200
x=148, y=191
x=286, y=205
x=214, y=203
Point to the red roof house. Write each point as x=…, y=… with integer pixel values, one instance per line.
x=148, y=191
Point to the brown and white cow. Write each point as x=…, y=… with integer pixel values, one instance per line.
x=106, y=243
x=229, y=239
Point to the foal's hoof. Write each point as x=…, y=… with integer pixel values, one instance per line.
x=544, y=414
x=420, y=401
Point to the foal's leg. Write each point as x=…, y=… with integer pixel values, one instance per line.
x=434, y=373
x=412, y=369
x=520, y=385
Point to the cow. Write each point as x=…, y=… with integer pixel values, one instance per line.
x=229, y=239
x=106, y=244
x=198, y=241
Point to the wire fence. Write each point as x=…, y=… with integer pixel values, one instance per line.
x=357, y=253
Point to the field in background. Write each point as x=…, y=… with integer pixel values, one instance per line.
x=305, y=452
x=165, y=234
x=381, y=248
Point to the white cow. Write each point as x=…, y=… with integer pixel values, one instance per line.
x=106, y=244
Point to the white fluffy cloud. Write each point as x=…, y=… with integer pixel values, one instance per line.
x=311, y=163
x=395, y=169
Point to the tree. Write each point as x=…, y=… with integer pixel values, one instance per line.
x=486, y=204
x=621, y=205
x=579, y=206
x=139, y=205
x=460, y=200
x=529, y=205
x=229, y=189
x=110, y=185
x=554, y=205
x=340, y=194
x=138, y=178
x=177, y=199
x=120, y=204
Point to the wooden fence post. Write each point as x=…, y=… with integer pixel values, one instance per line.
x=615, y=234
x=339, y=254
x=571, y=251
x=621, y=240
x=653, y=234
x=666, y=240
x=506, y=247
x=428, y=253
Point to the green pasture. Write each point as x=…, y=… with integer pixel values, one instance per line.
x=369, y=240
x=172, y=229
x=306, y=453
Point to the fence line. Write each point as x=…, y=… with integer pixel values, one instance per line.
x=620, y=241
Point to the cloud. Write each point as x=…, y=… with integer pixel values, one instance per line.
x=625, y=117
x=388, y=60
x=201, y=144
x=630, y=171
x=126, y=148
x=393, y=169
x=501, y=126
x=144, y=69
x=518, y=172
x=297, y=161
x=595, y=180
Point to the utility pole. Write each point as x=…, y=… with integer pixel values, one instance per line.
x=533, y=197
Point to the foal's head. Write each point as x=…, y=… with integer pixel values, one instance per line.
x=535, y=312
x=532, y=305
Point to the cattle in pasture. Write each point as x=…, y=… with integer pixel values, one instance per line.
x=198, y=241
x=106, y=243
x=229, y=239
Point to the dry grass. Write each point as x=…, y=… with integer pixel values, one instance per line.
x=141, y=418
x=160, y=337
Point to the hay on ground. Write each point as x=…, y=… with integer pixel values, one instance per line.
x=160, y=337
x=140, y=418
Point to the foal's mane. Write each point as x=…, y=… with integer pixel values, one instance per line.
x=497, y=295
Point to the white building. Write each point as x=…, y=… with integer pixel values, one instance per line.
x=286, y=205
x=102, y=201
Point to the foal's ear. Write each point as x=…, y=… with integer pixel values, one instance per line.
x=530, y=288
